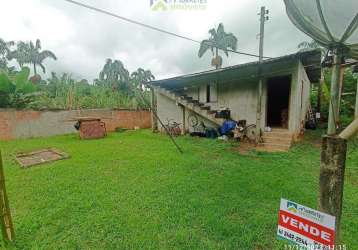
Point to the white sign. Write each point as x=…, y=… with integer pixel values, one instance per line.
x=305, y=226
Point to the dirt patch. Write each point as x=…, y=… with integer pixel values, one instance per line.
x=244, y=148
x=39, y=157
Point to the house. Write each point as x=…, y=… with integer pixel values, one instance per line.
x=285, y=98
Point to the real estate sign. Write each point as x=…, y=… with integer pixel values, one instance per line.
x=305, y=226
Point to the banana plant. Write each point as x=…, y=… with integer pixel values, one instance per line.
x=16, y=90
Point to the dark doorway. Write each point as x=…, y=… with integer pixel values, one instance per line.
x=278, y=94
x=208, y=97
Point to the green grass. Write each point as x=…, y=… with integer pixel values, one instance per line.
x=133, y=190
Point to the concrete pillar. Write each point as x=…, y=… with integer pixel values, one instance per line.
x=331, y=180
x=183, y=131
x=259, y=111
x=154, y=111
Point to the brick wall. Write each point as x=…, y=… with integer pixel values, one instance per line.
x=27, y=124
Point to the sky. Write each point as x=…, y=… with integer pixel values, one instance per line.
x=83, y=39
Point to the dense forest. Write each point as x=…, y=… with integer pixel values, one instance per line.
x=115, y=86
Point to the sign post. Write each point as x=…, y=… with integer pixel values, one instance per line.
x=305, y=226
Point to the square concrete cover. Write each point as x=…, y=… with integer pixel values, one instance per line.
x=39, y=157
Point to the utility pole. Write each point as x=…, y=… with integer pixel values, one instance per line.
x=263, y=18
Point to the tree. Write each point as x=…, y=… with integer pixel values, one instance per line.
x=16, y=91
x=30, y=53
x=115, y=75
x=141, y=76
x=4, y=52
x=218, y=39
x=304, y=46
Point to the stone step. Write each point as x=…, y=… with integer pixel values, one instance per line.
x=277, y=140
x=279, y=130
x=269, y=149
x=281, y=134
x=273, y=146
x=205, y=107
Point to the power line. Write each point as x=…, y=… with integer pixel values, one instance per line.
x=153, y=27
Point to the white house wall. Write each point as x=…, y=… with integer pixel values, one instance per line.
x=241, y=98
x=168, y=110
x=300, y=98
x=304, y=96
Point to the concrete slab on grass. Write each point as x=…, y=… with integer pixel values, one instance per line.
x=39, y=157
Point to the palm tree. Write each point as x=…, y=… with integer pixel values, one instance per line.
x=218, y=39
x=114, y=74
x=4, y=52
x=305, y=45
x=141, y=76
x=30, y=53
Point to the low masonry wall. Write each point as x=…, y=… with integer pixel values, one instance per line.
x=16, y=124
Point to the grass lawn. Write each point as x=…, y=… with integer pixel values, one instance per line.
x=133, y=190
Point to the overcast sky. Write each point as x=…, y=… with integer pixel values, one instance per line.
x=82, y=39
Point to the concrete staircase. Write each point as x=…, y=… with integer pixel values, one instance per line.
x=278, y=140
x=193, y=105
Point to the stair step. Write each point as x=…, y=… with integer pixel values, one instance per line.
x=212, y=111
x=274, y=146
x=279, y=130
x=191, y=104
x=269, y=149
x=281, y=134
x=277, y=140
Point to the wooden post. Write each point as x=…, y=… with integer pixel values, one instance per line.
x=350, y=131
x=341, y=79
x=333, y=103
x=331, y=180
x=319, y=94
x=153, y=108
x=7, y=228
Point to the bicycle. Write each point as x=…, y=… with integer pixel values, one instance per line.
x=173, y=127
x=243, y=132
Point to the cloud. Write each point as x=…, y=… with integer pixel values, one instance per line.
x=83, y=39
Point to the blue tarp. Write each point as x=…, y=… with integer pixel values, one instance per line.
x=227, y=126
